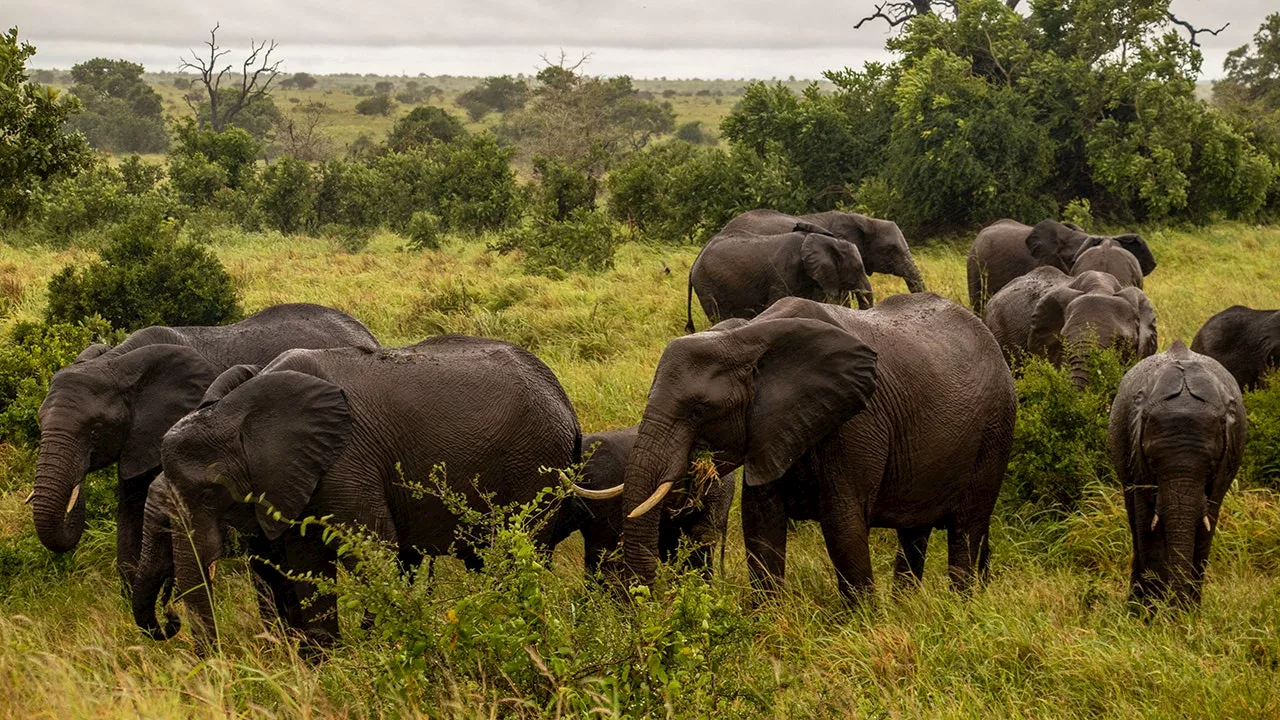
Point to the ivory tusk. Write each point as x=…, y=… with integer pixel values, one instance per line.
x=213, y=567
x=653, y=500
x=29, y=498
x=75, y=495
x=604, y=494
x=1208, y=526
x=1155, y=521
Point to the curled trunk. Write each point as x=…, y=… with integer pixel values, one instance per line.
x=60, y=470
x=915, y=283
x=660, y=455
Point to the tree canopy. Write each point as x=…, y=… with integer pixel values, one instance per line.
x=121, y=112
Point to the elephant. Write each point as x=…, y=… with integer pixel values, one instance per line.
x=739, y=274
x=354, y=435
x=1176, y=437
x=900, y=416
x=883, y=247
x=1108, y=256
x=113, y=405
x=699, y=514
x=1244, y=340
x=1007, y=249
x=1046, y=309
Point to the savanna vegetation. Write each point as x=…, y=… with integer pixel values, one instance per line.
x=576, y=245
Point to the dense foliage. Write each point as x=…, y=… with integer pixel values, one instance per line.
x=120, y=112
x=498, y=94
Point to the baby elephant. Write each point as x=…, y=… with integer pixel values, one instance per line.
x=1244, y=340
x=698, y=510
x=1177, y=433
x=1049, y=313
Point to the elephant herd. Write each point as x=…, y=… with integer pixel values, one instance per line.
x=896, y=415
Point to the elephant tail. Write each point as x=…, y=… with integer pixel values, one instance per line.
x=688, y=304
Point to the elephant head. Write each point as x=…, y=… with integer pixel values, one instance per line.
x=760, y=394
x=1092, y=308
x=1131, y=242
x=1186, y=430
x=836, y=266
x=883, y=246
x=1054, y=243
x=269, y=437
x=108, y=407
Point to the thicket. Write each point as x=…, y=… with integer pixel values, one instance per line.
x=120, y=112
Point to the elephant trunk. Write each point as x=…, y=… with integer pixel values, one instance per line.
x=154, y=575
x=659, y=459
x=1078, y=360
x=1181, y=513
x=866, y=297
x=58, y=500
x=915, y=283
x=194, y=583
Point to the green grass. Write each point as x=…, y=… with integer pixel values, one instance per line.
x=1049, y=636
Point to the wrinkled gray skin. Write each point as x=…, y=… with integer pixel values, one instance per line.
x=739, y=274
x=881, y=243
x=1007, y=249
x=900, y=417
x=701, y=520
x=1108, y=256
x=1049, y=313
x=1244, y=340
x=321, y=433
x=113, y=405
x=1176, y=437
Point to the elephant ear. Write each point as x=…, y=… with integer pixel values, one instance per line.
x=1090, y=242
x=1046, y=242
x=829, y=261
x=91, y=352
x=1073, y=226
x=729, y=324
x=1138, y=247
x=293, y=428
x=162, y=383
x=1147, y=337
x=809, y=379
x=1047, y=320
x=805, y=226
x=230, y=379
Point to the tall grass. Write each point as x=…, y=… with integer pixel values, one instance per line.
x=1049, y=636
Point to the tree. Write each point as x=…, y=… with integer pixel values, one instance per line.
x=303, y=81
x=222, y=105
x=384, y=87
x=376, y=105
x=494, y=94
x=422, y=126
x=302, y=133
x=121, y=112
x=35, y=146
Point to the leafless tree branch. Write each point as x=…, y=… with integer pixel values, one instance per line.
x=257, y=72
x=1192, y=30
x=897, y=12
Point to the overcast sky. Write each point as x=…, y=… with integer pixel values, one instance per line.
x=653, y=38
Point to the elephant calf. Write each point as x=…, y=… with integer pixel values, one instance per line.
x=1049, y=313
x=700, y=515
x=900, y=416
x=1176, y=437
x=348, y=434
x=1244, y=340
x=1007, y=249
x=739, y=274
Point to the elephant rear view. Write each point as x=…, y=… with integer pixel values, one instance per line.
x=740, y=274
x=1176, y=438
x=113, y=405
x=355, y=436
x=1244, y=340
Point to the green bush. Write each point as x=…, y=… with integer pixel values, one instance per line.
x=234, y=150
x=30, y=357
x=195, y=178
x=348, y=239
x=424, y=231
x=476, y=186
x=140, y=177
x=349, y=193
x=375, y=105
x=286, y=195
x=561, y=189
x=423, y=126
x=1060, y=437
x=586, y=241
x=1261, y=464
x=95, y=197
x=145, y=277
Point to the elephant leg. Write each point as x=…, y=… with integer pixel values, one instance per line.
x=846, y=536
x=764, y=533
x=131, y=499
x=967, y=550
x=275, y=602
x=908, y=566
x=317, y=612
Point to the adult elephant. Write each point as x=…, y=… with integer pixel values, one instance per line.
x=739, y=274
x=697, y=510
x=113, y=405
x=1007, y=249
x=881, y=243
x=1176, y=438
x=1244, y=340
x=1109, y=256
x=1049, y=313
x=900, y=416
x=353, y=435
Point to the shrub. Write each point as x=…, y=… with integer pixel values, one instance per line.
x=287, y=195
x=348, y=193
x=475, y=185
x=585, y=241
x=424, y=231
x=29, y=359
x=234, y=150
x=96, y=196
x=692, y=132
x=561, y=189
x=1060, y=437
x=196, y=179
x=422, y=126
x=140, y=177
x=145, y=277
x=1261, y=463
x=375, y=105
x=347, y=238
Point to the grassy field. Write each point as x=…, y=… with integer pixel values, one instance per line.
x=1049, y=636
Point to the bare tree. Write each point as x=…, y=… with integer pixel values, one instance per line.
x=302, y=134
x=256, y=75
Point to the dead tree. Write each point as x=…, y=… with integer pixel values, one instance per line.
x=257, y=72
